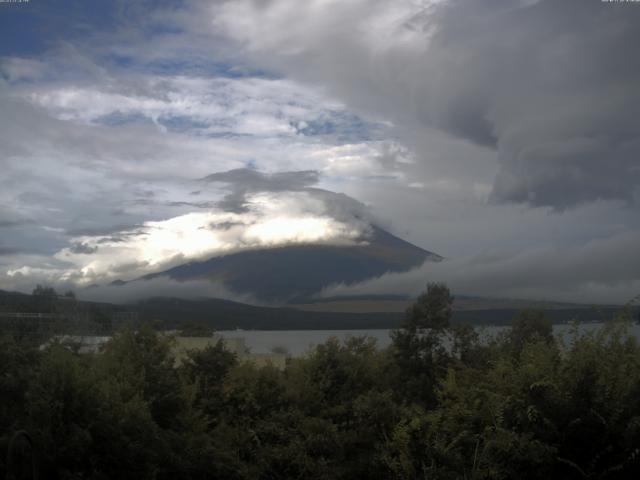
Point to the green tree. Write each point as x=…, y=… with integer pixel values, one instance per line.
x=195, y=329
x=420, y=355
x=144, y=358
x=529, y=326
x=44, y=291
x=18, y=366
x=207, y=370
x=46, y=299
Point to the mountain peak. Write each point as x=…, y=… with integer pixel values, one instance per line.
x=289, y=273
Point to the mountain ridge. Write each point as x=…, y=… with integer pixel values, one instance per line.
x=293, y=272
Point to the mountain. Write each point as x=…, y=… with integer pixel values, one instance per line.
x=295, y=272
x=89, y=318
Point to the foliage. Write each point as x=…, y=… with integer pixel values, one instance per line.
x=195, y=329
x=44, y=291
x=439, y=403
x=420, y=356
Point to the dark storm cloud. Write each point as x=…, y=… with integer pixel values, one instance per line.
x=552, y=87
x=83, y=248
x=14, y=223
x=10, y=251
x=253, y=180
x=242, y=181
x=602, y=271
x=536, y=102
x=225, y=225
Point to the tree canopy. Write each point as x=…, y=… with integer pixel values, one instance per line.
x=438, y=403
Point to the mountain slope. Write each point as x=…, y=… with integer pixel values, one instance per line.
x=297, y=271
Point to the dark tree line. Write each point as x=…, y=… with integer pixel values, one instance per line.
x=438, y=404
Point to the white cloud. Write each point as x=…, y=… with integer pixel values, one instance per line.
x=271, y=220
x=399, y=104
x=552, y=93
x=215, y=105
x=161, y=287
x=66, y=170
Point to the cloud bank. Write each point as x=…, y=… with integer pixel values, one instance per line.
x=602, y=271
x=551, y=86
x=463, y=127
x=160, y=287
x=272, y=214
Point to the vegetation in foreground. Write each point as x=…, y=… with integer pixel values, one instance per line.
x=436, y=404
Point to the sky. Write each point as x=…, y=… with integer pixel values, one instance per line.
x=503, y=135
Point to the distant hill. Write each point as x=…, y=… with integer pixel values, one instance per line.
x=224, y=314
x=399, y=303
x=297, y=271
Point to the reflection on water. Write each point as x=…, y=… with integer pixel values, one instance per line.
x=298, y=342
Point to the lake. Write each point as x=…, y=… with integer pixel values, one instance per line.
x=298, y=342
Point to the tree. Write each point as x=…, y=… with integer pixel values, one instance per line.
x=17, y=370
x=466, y=345
x=207, y=369
x=144, y=358
x=418, y=349
x=46, y=298
x=530, y=326
x=195, y=329
x=44, y=291
x=432, y=310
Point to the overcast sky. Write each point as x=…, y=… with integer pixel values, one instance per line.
x=503, y=135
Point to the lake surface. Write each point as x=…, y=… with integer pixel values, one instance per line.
x=299, y=342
